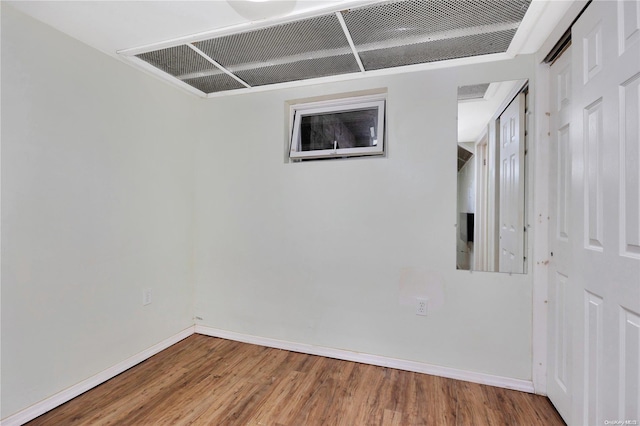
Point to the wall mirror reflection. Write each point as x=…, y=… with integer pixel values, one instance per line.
x=491, y=226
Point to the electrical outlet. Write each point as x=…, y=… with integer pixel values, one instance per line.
x=146, y=296
x=421, y=307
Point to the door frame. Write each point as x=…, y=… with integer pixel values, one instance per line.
x=481, y=242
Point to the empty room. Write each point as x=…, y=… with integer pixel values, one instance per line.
x=300, y=212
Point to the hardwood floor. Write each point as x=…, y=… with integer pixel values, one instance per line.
x=208, y=381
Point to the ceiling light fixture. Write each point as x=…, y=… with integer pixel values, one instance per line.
x=257, y=10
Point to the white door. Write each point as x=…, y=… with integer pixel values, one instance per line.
x=559, y=354
x=511, y=238
x=595, y=275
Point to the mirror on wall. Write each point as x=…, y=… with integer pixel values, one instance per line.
x=491, y=228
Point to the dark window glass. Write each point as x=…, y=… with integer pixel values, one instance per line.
x=351, y=129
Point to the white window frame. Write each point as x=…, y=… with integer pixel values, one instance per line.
x=297, y=111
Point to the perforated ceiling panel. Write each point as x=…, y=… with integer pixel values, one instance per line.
x=463, y=157
x=385, y=35
x=303, y=69
x=214, y=83
x=185, y=64
x=438, y=50
x=417, y=31
x=293, y=51
x=177, y=61
x=472, y=91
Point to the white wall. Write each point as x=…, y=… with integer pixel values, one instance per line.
x=98, y=198
x=331, y=253
x=97, y=204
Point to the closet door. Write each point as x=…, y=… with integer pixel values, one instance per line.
x=559, y=383
x=511, y=237
x=597, y=299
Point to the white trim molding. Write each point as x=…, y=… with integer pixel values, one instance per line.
x=382, y=361
x=68, y=394
x=538, y=176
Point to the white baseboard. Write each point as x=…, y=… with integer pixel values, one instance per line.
x=400, y=364
x=68, y=394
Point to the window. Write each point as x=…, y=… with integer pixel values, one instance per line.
x=338, y=128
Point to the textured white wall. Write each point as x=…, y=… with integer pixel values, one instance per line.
x=97, y=204
x=332, y=253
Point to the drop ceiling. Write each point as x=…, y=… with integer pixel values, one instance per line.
x=210, y=48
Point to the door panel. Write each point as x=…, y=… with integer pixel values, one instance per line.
x=559, y=383
x=594, y=319
x=629, y=165
x=629, y=405
x=511, y=245
x=593, y=145
x=609, y=278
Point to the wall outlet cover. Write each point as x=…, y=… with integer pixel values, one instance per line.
x=421, y=307
x=146, y=296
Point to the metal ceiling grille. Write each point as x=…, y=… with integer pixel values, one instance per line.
x=472, y=91
x=463, y=157
x=384, y=35
x=299, y=50
x=417, y=31
x=178, y=61
x=439, y=50
x=214, y=83
x=322, y=33
x=403, y=22
x=299, y=70
x=185, y=64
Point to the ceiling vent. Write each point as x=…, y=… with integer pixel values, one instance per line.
x=472, y=92
x=299, y=50
x=463, y=157
x=367, y=38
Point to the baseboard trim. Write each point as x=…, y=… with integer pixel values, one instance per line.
x=68, y=394
x=400, y=364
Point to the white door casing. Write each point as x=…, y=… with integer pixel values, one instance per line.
x=493, y=195
x=481, y=243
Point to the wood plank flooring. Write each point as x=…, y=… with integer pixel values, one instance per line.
x=208, y=381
